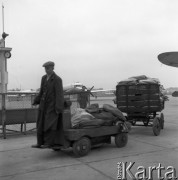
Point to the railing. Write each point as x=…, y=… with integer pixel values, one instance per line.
x=17, y=114
x=16, y=110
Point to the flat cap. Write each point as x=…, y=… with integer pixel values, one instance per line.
x=49, y=63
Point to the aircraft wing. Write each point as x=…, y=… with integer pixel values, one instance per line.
x=94, y=93
x=103, y=90
x=73, y=91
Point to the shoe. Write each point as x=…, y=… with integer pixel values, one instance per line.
x=36, y=146
x=46, y=146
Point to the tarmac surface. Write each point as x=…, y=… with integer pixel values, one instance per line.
x=18, y=161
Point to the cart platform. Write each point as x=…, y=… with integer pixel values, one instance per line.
x=75, y=134
x=81, y=140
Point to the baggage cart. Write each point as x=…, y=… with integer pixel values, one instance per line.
x=142, y=102
x=82, y=140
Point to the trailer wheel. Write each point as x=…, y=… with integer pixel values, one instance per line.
x=156, y=126
x=121, y=140
x=82, y=147
x=162, y=120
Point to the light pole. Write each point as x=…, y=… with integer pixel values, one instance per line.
x=4, y=55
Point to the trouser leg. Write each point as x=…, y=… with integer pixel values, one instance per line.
x=40, y=127
x=40, y=139
x=49, y=137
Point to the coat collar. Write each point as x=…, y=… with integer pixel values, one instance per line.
x=51, y=77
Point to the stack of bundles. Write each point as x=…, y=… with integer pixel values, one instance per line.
x=139, y=94
x=79, y=116
x=81, y=119
x=108, y=112
x=94, y=116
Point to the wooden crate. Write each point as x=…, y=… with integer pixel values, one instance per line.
x=138, y=98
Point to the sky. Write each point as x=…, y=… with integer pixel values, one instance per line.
x=95, y=42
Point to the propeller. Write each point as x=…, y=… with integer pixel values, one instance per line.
x=89, y=90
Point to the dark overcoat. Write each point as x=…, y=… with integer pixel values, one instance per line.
x=50, y=100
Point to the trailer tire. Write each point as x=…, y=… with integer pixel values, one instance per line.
x=156, y=126
x=162, y=120
x=121, y=140
x=82, y=147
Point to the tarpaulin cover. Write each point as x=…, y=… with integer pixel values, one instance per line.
x=115, y=111
x=105, y=116
x=142, y=79
x=79, y=114
x=93, y=108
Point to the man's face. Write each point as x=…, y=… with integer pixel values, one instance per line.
x=49, y=69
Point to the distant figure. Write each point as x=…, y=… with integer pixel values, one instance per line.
x=83, y=98
x=50, y=100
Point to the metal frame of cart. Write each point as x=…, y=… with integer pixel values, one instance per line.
x=82, y=140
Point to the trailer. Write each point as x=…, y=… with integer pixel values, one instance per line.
x=142, y=102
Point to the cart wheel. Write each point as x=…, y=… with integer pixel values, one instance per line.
x=121, y=140
x=162, y=120
x=156, y=126
x=82, y=147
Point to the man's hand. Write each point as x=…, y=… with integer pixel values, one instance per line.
x=34, y=104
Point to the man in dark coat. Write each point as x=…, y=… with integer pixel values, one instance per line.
x=50, y=100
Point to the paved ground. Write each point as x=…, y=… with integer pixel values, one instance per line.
x=18, y=161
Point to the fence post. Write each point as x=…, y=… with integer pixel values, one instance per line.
x=4, y=114
x=25, y=122
x=31, y=98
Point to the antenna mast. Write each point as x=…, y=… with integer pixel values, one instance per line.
x=2, y=18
